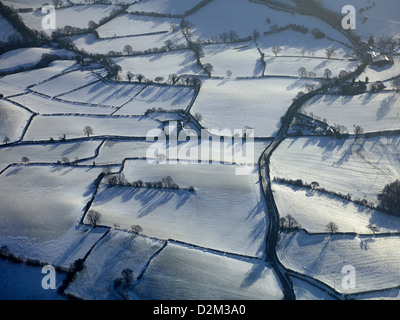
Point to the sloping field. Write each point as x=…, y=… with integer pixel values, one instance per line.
x=75, y=16
x=164, y=7
x=227, y=213
x=17, y=83
x=313, y=210
x=27, y=57
x=372, y=111
x=104, y=94
x=130, y=24
x=242, y=59
x=47, y=127
x=364, y=168
x=65, y=83
x=41, y=210
x=181, y=272
x=115, y=252
x=13, y=121
x=89, y=42
x=49, y=153
x=41, y=105
x=379, y=19
x=375, y=259
x=165, y=97
x=160, y=64
x=244, y=17
x=227, y=104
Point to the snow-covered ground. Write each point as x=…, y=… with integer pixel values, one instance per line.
x=47, y=127
x=13, y=120
x=39, y=219
x=227, y=213
x=379, y=19
x=242, y=59
x=18, y=83
x=244, y=17
x=89, y=43
x=364, y=167
x=65, y=83
x=116, y=252
x=313, y=210
x=27, y=57
x=108, y=94
x=75, y=16
x=372, y=111
x=42, y=105
x=130, y=24
x=160, y=64
x=178, y=7
x=203, y=275
x=48, y=153
x=7, y=30
x=227, y=104
x=373, y=260
x=166, y=97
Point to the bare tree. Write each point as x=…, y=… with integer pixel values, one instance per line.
x=130, y=76
x=25, y=160
x=88, y=130
x=229, y=74
x=302, y=72
x=128, y=50
x=173, y=78
x=327, y=73
x=136, y=229
x=276, y=50
x=373, y=228
x=140, y=77
x=358, y=131
x=158, y=79
x=93, y=217
x=343, y=74
x=6, y=140
x=329, y=52
x=332, y=227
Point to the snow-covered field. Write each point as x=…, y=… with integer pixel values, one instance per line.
x=108, y=94
x=117, y=251
x=65, y=83
x=13, y=121
x=375, y=259
x=27, y=57
x=41, y=105
x=166, y=97
x=130, y=24
x=48, y=153
x=203, y=275
x=227, y=104
x=178, y=7
x=244, y=17
x=39, y=219
x=47, y=127
x=18, y=83
x=364, y=167
x=380, y=18
x=64, y=128
x=373, y=112
x=160, y=64
x=242, y=59
x=89, y=43
x=305, y=206
x=227, y=213
x=75, y=16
